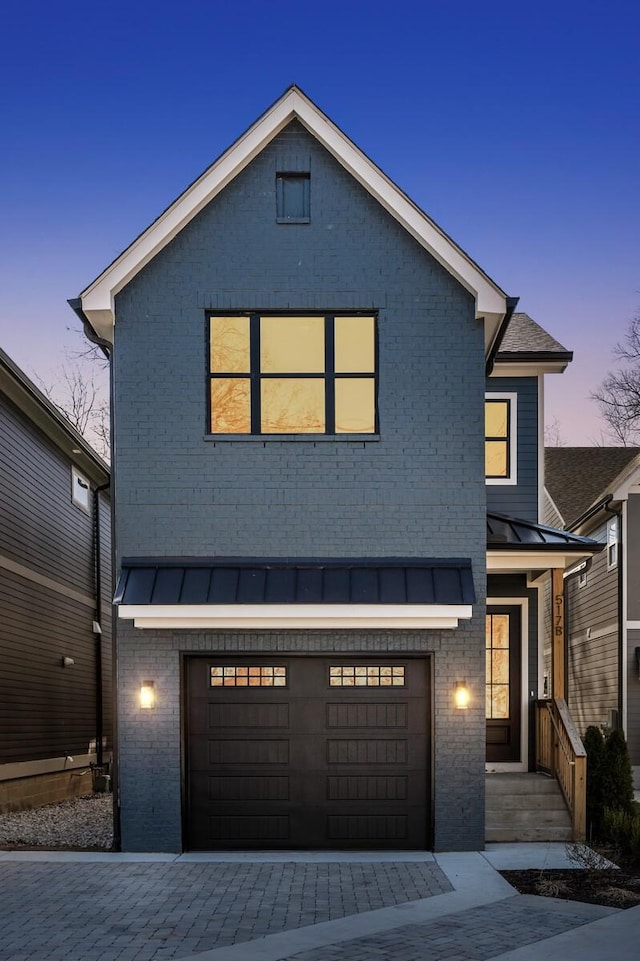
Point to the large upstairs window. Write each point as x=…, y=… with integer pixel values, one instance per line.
x=500, y=418
x=292, y=374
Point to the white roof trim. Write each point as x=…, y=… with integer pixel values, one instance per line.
x=295, y=616
x=98, y=298
x=528, y=368
x=533, y=560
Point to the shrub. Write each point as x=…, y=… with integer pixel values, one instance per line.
x=617, y=775
x=594, y=746
x=623, y=829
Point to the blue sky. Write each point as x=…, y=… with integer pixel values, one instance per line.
x=515, y=126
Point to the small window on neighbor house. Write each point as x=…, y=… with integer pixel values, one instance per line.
x=80, y=490
x=612, y=543
x=293, y=198
x=500, y=438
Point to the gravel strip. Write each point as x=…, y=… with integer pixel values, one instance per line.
x=83, y=823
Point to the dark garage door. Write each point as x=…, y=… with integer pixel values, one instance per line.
x=307, y=753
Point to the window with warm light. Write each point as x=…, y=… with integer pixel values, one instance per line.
x=500, y=438
x=292, y=374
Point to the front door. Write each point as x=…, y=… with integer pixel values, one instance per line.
x=503, y=683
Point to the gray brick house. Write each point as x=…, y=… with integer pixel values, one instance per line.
x=299, y=360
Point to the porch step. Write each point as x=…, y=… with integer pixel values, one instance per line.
x=525, y=807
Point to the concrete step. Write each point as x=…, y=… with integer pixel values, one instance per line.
x=501, y=784
x=525, y=807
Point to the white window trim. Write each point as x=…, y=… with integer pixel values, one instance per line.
x=79, y=480
x=512, y=479
x=613, y=524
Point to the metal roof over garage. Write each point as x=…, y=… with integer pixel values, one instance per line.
x=367, y=581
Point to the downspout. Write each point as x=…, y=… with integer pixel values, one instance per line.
x=97, y=624
x=512, y=303
x=621, y=652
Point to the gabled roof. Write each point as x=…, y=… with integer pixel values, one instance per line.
x=96, y=302
x=22, y=392
x=526, y=342
x=577, y=477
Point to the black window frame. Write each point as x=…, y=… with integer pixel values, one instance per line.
x=328, y=376
x=507, y=440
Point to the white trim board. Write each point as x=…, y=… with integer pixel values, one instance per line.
x=295, y=616
x=98, y=298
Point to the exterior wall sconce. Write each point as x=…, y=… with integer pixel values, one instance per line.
x=67, y=661
x=147, y=695
x=461, y=696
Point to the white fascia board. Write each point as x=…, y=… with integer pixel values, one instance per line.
x=528, y=369
x=266, y=616
x=98, y=298
x=506, y=561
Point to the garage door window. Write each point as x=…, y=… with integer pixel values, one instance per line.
x=242, y=676
x=374, y=675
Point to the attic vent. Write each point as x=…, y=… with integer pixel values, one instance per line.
x=293, y=198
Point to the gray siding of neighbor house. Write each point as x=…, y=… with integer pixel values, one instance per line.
x=47, y=601
x=592, y=627
x=632, y=536
x=633, y=698
x=417, y=490
x=521, y=499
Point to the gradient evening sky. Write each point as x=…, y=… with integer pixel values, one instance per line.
x=514, y=126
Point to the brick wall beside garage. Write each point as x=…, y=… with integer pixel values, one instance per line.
x=150, y=764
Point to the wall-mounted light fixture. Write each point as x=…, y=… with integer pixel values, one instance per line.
x=461, y=696
x=67, y=661
x=147, y=695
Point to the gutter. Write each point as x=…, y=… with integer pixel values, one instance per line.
x=512, y=303
x=97, y=624
x=591, y=512
x=76, y=305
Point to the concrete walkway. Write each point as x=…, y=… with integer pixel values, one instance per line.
x=65, y=906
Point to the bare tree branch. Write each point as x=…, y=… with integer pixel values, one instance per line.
x=552, y=434
x=618, y=396
x=80, y=393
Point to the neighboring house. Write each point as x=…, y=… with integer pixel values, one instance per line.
x=596, y=491
x=55, y=600
x=300, y=361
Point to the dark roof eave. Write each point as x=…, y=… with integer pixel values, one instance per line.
x=536, y=356
x=578, y=546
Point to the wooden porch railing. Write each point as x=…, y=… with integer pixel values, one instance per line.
x=561, y=753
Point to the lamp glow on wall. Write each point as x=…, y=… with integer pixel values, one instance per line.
x=147, y=695
x=461, y=696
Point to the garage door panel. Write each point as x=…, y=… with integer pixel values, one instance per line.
x=366, y=715
x=243, y=714
x=356, y=787
x=311, y=765
x=248, y=828
x=372, y=828
x=253, y=788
